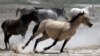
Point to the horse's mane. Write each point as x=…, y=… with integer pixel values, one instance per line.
x=75, y=17
x=28, y=16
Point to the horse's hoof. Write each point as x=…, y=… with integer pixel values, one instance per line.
x=45, y=49
x=61, y=51
x=67, y=52
x=23, y=47
x=35, y=51
x=7, y=49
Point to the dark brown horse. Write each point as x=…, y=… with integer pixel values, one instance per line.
x=19, y=26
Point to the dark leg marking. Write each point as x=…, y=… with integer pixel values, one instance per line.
x=46, y=48
x=6, y=40
x=44, y=37
x=64, y=45
x=32, y=37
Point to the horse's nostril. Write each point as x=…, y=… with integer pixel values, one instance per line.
x=90, y=25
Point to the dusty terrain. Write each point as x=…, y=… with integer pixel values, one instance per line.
x=86, y=42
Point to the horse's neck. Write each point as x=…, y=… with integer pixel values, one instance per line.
x=25, y=20
x=74, y=26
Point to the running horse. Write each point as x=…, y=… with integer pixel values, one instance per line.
x=59, y=30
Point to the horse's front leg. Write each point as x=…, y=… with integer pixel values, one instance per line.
x=54, y=43
x=44, y=37
x=66, y=40
x=31, y=38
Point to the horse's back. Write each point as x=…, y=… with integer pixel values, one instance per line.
x=6, y=22
x=54, y=28
x=45, y=14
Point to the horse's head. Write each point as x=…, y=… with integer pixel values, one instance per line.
x=64, y=14
x=80, y=18
x=85, y=20
x=60, y=12
x=34, y=16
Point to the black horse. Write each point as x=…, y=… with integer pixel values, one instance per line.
x=19, y=26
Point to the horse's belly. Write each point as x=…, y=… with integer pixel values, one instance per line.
x=17, y=31
x=54, y=29
x=56, y=34
x=62, y=37
x=66, y=35
x=52, y=33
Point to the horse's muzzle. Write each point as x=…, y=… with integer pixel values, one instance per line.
x=90, y=25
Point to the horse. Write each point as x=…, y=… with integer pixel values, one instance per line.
x=59, y=30
x=59, y=11
x=44, y=13
x=74, y=11
x=23, y=11
x=19, y=26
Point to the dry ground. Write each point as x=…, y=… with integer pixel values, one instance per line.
x=8, y=12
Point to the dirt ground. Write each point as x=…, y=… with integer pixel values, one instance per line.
x=91, y=38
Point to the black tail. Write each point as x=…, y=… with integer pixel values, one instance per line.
x=75, y=17
x=3, y=24
x=17, y=11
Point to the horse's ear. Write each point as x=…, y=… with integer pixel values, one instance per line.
x=83, y=12
x=63, y=8
x=37, y=11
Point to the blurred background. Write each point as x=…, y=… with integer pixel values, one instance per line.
x=50, y=1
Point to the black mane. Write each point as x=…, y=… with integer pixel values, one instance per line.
x=75, y=17
x=29, y=16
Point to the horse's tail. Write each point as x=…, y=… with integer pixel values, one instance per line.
x=3, y=25
x=17, y=11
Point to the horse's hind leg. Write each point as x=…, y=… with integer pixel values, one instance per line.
x=55, y=41
x=6, y=40
x=44, y=37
